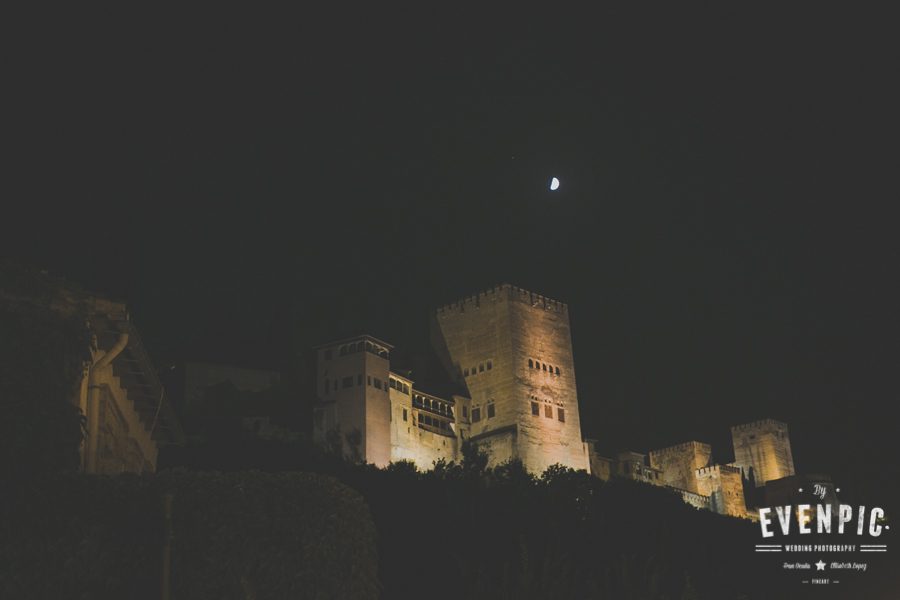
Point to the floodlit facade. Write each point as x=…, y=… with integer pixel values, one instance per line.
x=509, y=353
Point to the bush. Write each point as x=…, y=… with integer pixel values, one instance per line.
x=237, y=535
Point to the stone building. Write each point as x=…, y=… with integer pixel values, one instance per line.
x=762, y=450
x=679, y=464
x=762, y=455
x=127, y=414
x=508, y=354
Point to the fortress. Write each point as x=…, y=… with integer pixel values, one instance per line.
x=507, y=355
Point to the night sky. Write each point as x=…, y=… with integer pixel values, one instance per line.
x=253, y=185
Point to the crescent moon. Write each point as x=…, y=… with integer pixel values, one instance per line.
x=554, y=184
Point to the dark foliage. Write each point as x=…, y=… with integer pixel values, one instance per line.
x=41, y=359
x=238, y=535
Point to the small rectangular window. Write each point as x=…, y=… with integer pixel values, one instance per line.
x=476, y=415
x=536, y=409
x=490, y=410
x=561, y=413
x=490, y=365
x=481, y=368
x=404, y=414
x=548, y=411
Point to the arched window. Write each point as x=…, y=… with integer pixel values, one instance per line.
x=530, y=364
x=490, y=365
x=557, y=370
x=544, y=367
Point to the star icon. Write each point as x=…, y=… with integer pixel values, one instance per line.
x=820, y=566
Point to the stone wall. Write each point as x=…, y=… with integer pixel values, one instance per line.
x=724, y=486
x=678, y=464
x=124, y=442
x=353, y=392
x=513, y=351
x=764, y=446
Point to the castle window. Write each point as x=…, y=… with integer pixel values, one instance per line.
x=548, y=411
x=530, y=364
x=359, y=380
x=476, y=415
x=347, y=382
x=490, y=365
x=393, y=383
x=536, y=409
x=481, y=368
x=466, y=372
x=544, y=367
x=474, y=370
x=490, y=410
x=557, y=370
x=378, y=383
x=328, y=354
x=404, y=414
x=561, y=413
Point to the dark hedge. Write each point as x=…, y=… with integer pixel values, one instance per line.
x=236, y=535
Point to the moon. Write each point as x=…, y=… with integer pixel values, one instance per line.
x=554, y=184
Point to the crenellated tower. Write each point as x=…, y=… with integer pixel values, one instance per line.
x=765, y=447
x=512, y=350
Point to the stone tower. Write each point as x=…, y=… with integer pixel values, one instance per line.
x=352, y=386
x=512, y=350
x=679, y=464
x=765, y=446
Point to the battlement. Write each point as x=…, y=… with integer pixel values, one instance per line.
x=760, y=424
x=679, y=448
x=503, y=291
x=714, y=470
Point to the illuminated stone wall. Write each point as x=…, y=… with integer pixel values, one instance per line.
x=678, y=464
x=352, y=386
x=766, y=447
x=124, y=442
x=724, y=486
x=423, y=445
x=601, y=466
x=487, y=341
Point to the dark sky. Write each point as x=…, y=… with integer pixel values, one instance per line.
x=254, y=184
